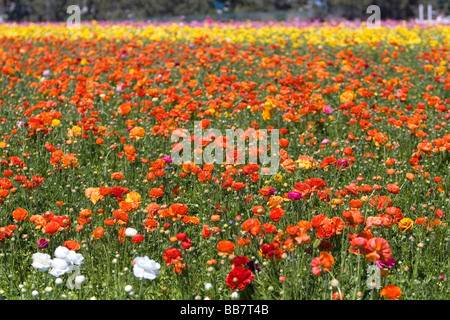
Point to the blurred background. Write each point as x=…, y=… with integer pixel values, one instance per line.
x=217, y=10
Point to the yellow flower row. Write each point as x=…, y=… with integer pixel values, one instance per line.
x=433, y=35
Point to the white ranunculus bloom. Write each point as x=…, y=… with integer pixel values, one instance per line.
x=41, y=261
x=75, y=258
x=130, y=232
x=146, y=268
x=60, y=267
x=61, y=252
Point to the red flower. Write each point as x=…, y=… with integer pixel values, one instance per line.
x=172, y=255
x=137, y=238
x=239, y=278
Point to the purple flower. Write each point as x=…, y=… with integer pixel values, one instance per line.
x=325, y=141
x=130, y=128
x=42, y=243
x=388, y=264
x=253, y=266
x=295, y=195
x=46, y=73
x=272, y=191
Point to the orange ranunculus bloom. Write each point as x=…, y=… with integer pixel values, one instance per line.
x=72, y=245
x=258, y=210
x=156, y=193
x=98, y=233
x=86, y=213
x=129, y=149
x=150, y=225
x=116, y=176
x=120, y=216
x=391, y=292
x=109, y=222
x=276, y=214
x=179, y=209
x=392, y=188
x=379, y=250
x=70, y=161
x=225, y=247
x=20, y=214
x=323, y=263
x=52, y=228
x=253, y=226
x=137, y=133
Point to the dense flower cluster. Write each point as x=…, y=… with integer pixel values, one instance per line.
x=91, y=117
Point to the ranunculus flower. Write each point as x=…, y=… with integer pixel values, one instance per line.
x=60, y=267
x=42, y=243
x=295, y=195
x=145, y=268
x=405, y=225
x=41, y=261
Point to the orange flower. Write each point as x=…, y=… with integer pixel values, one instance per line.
x=70, y=161
x=109, y=222
x=392, y=188
x=225, y=247
x=71, y=245
x=98, y=233
x=276, y=214
x=323, y=263
x=86, y=213
x=117, y=176
x=179, y=209
x=20, y=214
x=379, y=250
x=391, y=292
x=52, y=228
x=137, y=133
x=156, y=193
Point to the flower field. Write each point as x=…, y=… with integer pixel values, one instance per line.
x=93, y=204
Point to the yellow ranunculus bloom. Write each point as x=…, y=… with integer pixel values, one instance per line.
x=405, y=225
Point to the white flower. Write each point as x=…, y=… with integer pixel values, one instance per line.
x=208, y=286
x=60, y=267
x=74, y=258
x=41, y=261
x=234, y=295
x=130, y=232
x=145, y=268
x=35, y=293
x=58, y=281
x=79, y=279
x=61, y=252
x=128, y=288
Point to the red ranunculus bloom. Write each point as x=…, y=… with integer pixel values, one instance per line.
x=239, y=278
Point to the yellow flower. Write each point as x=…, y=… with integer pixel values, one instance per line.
x=347, y=96
x=133, y=197
x=275, y=202
x=278, y=177
x=55, y=122
x=405, y=225
x=267, y=113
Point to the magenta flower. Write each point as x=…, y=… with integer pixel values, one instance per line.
x=42, y=243
x=388, y=264
x=295, y=195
